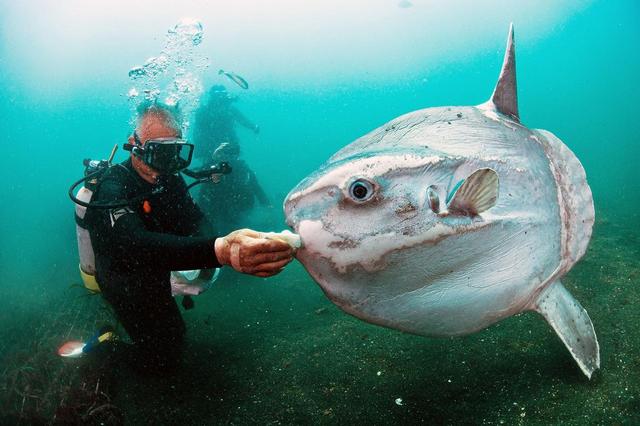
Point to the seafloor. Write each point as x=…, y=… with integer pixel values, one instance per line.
x=277, y=351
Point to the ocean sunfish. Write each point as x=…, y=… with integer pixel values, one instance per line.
x=446, y=220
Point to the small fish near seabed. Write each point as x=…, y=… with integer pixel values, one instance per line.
x=235, y=78
x=447, y=220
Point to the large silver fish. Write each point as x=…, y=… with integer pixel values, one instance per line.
x=447, y=220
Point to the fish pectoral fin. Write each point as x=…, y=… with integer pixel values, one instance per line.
x=572, y=324
x=476, y=194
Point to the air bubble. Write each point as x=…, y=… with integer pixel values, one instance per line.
x=172, y=73
x=136, y=72
x=188, y=29
x=156, y=65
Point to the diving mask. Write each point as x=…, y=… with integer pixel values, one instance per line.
x=165, y=155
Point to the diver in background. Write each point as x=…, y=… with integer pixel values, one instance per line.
x=215, y=124
x=161, y=230
x=227, y=202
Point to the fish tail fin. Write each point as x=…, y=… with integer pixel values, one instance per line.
x=577, y=212
x=220, y=71
x=572, y=324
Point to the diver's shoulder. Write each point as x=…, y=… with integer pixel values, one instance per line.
x=120, y=171
x=117, y=178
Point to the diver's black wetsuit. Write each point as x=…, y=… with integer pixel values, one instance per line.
x=215, y=124
x=239, y=189
x=135, y=250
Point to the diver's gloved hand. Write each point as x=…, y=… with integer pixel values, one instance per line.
x=251, y=252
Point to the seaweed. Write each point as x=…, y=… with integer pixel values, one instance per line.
x=35, y=381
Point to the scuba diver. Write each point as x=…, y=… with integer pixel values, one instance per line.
x=216, y=141
x=238, y=189
x=143, y=224
x=215, y=123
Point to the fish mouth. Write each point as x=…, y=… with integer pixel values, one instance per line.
x=299, y=206
x=293, y=219
x=290, y=214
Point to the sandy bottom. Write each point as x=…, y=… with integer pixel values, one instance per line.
x=277, y=351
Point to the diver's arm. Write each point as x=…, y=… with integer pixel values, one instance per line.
x=126, y=234
x=166, y=250
x=245, y=250
x=243, y=121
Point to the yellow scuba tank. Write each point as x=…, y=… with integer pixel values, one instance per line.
x=92, y=173
x=85, y=249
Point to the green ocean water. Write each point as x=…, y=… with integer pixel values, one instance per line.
x=321, y=74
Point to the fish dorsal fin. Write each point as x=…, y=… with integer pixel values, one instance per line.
x=478, y=193
x=505, y=95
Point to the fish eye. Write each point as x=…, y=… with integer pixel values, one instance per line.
x=361, y=190
x=433, y=199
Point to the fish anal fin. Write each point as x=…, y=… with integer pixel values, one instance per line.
x=478, y=193
x=572, y=324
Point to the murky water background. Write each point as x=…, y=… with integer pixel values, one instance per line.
x=321, y=74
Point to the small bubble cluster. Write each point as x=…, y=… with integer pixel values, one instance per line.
x=187, y=30
x=172, y=75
